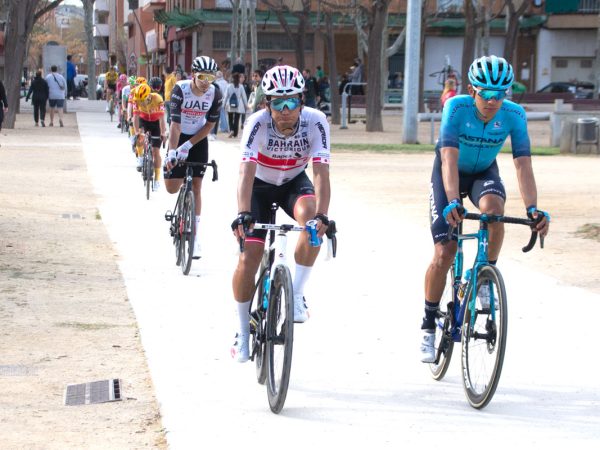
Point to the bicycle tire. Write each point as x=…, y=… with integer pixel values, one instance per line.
x=484, y=341
x=280, y=337
x=177, y=226
x=111, y=108
x=257, y=328
x=444, y=344
x=188, y=232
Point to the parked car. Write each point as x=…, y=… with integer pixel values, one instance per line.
x=581, y=89
x=100, y=86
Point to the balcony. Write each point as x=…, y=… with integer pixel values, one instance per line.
x=101, y=5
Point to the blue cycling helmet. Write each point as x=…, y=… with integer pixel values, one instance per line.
x=491, y=72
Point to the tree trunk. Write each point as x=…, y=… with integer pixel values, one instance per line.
x=334, y=93
x=88, y=9
x=376, y=27
x=235, y=8
x=597, y=62
x=512, y=30
x=243, y=29
x=253, y=36
x=469, y=43
x=20, y=23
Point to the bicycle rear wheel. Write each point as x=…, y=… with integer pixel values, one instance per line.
x=280, y=337
x=257, y=325
x=484, y=341
x=148, y=172
x=188, y=232
x=444, y=344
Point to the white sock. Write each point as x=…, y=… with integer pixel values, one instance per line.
x=300, y=278
x=243, y=312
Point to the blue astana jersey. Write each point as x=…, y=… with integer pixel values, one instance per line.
x=479, y=143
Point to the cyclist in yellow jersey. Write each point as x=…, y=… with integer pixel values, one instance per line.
x=110, y=84
x=149, y=115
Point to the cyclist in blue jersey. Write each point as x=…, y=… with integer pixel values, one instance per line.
x=473, y=130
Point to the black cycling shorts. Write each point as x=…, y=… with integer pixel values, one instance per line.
x=286, y=196
x=154, y=129
x=198, y=153
x=112, y=87
x=474, y=186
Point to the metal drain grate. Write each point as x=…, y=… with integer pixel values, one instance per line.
x=93, y=392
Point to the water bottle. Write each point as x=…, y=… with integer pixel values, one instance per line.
x=311, y=228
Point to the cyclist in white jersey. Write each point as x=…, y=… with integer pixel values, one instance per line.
x=277, y=145
x=195, y=107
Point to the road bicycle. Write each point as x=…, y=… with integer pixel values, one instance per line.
x=123, y=119
x=148, y=164
x=183, y=219
x=481, y=326
x=272, y=309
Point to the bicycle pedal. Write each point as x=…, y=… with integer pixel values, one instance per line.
x=169, y=216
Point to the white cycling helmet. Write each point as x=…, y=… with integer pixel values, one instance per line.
x=491, y=72
x=204, y=64
x=282, y=80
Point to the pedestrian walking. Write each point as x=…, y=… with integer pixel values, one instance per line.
x=3, y=103
x=38, y=91
x=236, y=104
x=57, y=89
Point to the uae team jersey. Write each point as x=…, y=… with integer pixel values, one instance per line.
x=479, y=143
x=192, y=111
x=280, y=159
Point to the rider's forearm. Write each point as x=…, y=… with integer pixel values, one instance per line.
x=322, y=187
x=163, y=126
x=526, y=180
x=174, y=133
x=136, y=123
x=449, y=157
x=245, y=183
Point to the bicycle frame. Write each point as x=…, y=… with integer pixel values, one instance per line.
x=481, y=259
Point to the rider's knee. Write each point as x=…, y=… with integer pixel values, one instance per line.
x=444, y=254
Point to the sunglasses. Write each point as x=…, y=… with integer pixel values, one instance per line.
x=291, y=103
x=206, y=77
x=490, y=94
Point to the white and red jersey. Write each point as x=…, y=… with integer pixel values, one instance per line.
x=279, y=158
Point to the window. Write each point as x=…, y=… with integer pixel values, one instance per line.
x=561, y=63
x=586, y=63
x=449, y=6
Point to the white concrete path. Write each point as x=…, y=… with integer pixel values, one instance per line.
x=356, y=379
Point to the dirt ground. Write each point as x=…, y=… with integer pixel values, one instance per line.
x=64, y=312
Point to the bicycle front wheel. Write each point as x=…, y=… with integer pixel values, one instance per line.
x=148, y=172
x=444, y=344
x=188, y=232
x=484, y=339
x=257, y=325
x=280, y=337
x=177, y=226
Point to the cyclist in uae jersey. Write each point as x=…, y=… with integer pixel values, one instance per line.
x=195, y=107
x=277, y=144
x=149, y=116
x=473, y=130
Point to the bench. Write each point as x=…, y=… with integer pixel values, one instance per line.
x=357, y=101
x=586, y=104
x=543, y=97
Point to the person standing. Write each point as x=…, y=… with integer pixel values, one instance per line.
x=222, y=84
x=170, y=80
x=3, y=103
x=71, y=73
x=38, y=91
x=310, y=89
x=236, y=104
x=357, y=77
x=449, y=91
x=57, y=88
x=257, y=97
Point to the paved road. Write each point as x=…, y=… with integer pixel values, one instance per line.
x=356, y=379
